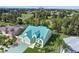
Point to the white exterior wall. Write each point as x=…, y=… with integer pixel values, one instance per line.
x=25, y=40
x=41, y=43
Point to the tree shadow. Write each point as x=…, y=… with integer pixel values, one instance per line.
x=52, y=38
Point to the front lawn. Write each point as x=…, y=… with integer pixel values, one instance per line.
x=54, y=44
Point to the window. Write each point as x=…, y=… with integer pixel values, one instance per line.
x=40, y=41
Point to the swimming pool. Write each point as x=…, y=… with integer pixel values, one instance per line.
x=18, y=49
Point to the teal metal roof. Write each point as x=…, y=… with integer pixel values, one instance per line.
x=40, y=32
x=43, y=32
x=29, y=34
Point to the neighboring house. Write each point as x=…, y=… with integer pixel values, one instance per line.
x=9, y=31
x=35, y=36
x=73, y=43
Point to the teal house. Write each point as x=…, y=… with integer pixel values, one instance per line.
x=35, y=36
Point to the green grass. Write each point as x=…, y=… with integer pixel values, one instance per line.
x=26, y=16
x=6, y=24
x=32, y=50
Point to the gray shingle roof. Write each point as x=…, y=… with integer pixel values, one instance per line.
x=73, y=42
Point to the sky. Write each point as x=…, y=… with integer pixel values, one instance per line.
x=57, y=4
x=47, y=7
